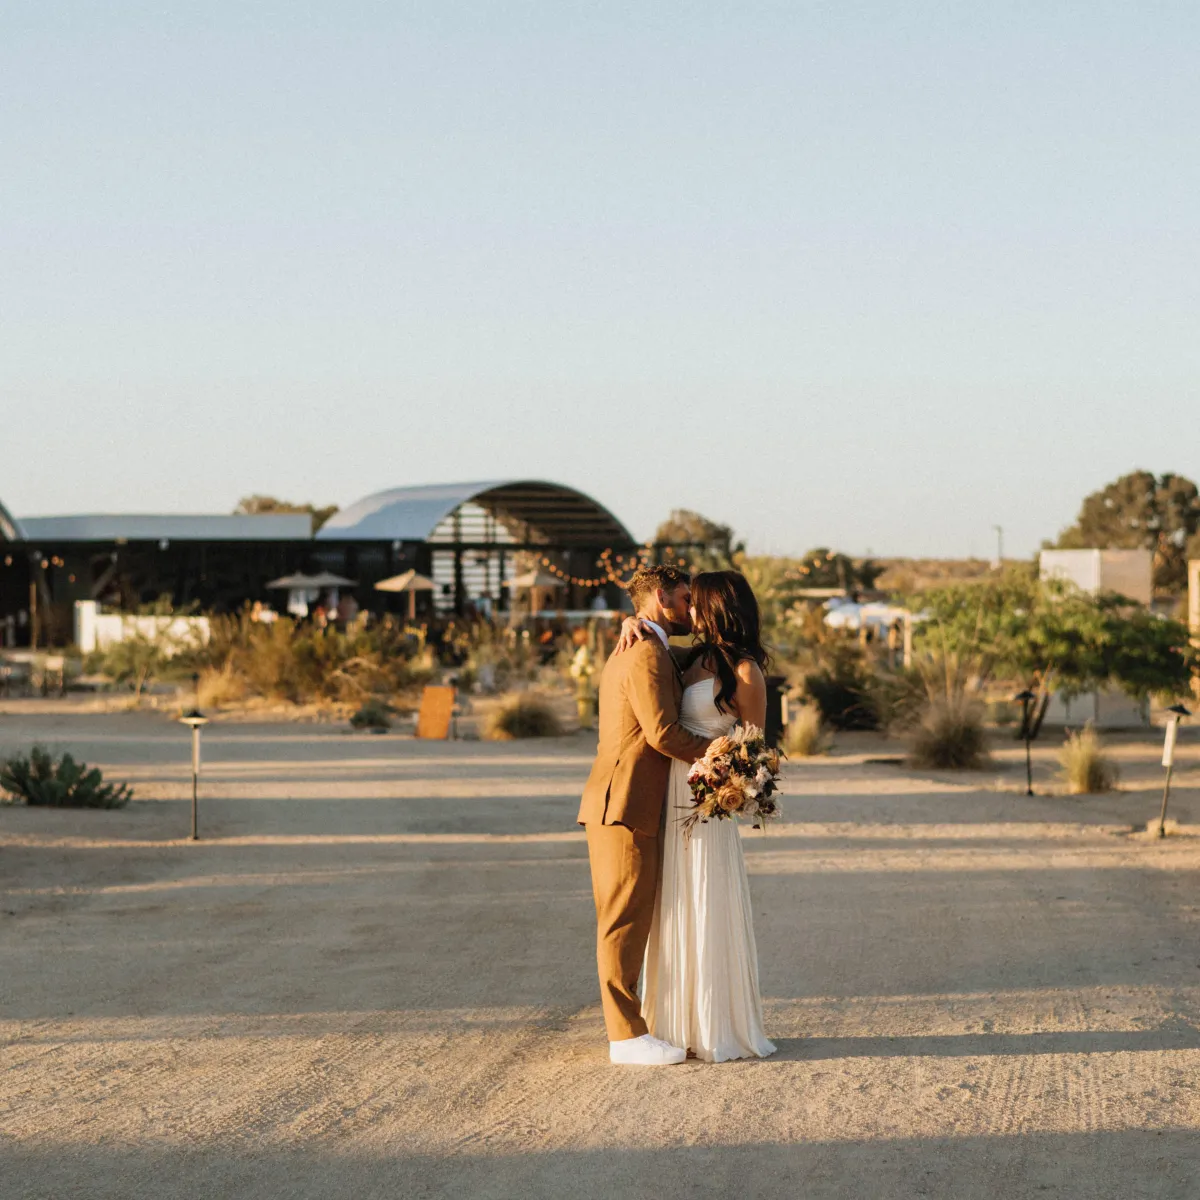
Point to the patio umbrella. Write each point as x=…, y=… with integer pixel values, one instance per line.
x=536, y=579
x=409, y=582
x=311, y=583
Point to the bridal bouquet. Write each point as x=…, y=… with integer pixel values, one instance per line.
x=739, y=775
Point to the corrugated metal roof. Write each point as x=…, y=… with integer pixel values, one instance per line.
x=10, y=530
x=134, y=527
x=408, y=514
x=532, y=510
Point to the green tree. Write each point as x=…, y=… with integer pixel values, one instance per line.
x=136, y=660
x=1049, y=636
x=827, y=568
x=1141, y=510
x=257, y=505
x=706, y=545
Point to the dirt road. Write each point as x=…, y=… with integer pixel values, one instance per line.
x=374, y=978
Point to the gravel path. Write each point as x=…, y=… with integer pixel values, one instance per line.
x=373, y=977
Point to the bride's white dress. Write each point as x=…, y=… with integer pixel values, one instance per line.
x=700, y=980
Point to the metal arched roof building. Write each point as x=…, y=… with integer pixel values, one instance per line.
x=531, y=512
x=472, y=538
x=10, y=531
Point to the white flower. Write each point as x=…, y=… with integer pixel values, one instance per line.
x=762, y=778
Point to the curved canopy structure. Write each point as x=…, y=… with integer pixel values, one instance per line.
x=527, y=512
x=10, y=531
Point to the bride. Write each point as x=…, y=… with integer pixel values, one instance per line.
x=700, y=978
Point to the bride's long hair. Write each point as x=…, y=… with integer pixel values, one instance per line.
x=726, y=628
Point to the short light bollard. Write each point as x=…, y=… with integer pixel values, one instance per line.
x=1178, y=712
x=1026, y=698
x=195, y=719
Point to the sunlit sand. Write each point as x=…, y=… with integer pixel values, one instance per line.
x=373, y=976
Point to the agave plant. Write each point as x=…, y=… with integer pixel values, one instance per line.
x=39, y=779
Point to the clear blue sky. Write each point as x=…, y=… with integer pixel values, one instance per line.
x=871, y=275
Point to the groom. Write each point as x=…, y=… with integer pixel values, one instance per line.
x=623, y=802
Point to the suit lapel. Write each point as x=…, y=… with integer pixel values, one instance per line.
x=674, y=667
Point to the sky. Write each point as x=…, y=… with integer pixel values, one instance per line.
x=874, y=276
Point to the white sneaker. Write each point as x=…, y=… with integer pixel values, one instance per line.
x=645, y=1051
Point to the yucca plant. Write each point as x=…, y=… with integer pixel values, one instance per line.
x=524, y=715
x=1086, y=768
x=39, y=779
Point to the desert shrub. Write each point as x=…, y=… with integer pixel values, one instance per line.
x=1086, y=769
x=899, y=698
x=496, y=660
x=135, y=660
x=843, y=691
x=220, y=685
x=525, y=715
x=375, y=714
x=301, y=663
x=950, y=736
x=40, y=779
x=806, y=733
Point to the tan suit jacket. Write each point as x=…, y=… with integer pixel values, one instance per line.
x=640, y=694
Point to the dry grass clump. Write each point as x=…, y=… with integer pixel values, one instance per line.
x=806, y=733
x=525, y=715
x=1086, y=769
x=220, y=685
x=951, y=736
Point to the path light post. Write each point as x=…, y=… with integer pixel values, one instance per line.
x=195, y=719
x=1027, y=698
x=1178, y=712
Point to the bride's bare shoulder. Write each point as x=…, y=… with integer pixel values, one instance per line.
x=748, y=671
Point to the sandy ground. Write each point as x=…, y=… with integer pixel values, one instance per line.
x=373, y=977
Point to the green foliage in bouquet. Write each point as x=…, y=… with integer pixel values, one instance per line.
x=39, y=779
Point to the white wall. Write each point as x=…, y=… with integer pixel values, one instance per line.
x=1128, y=572
x=1109, y=709
x=95, y=630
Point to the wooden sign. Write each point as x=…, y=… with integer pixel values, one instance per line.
x=437, y=709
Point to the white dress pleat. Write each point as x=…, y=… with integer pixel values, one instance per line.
x=700, y=980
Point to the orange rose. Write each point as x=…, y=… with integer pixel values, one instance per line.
x=730, y=798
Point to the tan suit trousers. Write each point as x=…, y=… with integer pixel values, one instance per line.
x=625, y=867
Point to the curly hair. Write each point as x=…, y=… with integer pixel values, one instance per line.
x=649, y=580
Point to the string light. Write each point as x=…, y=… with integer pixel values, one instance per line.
x=613, y=565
